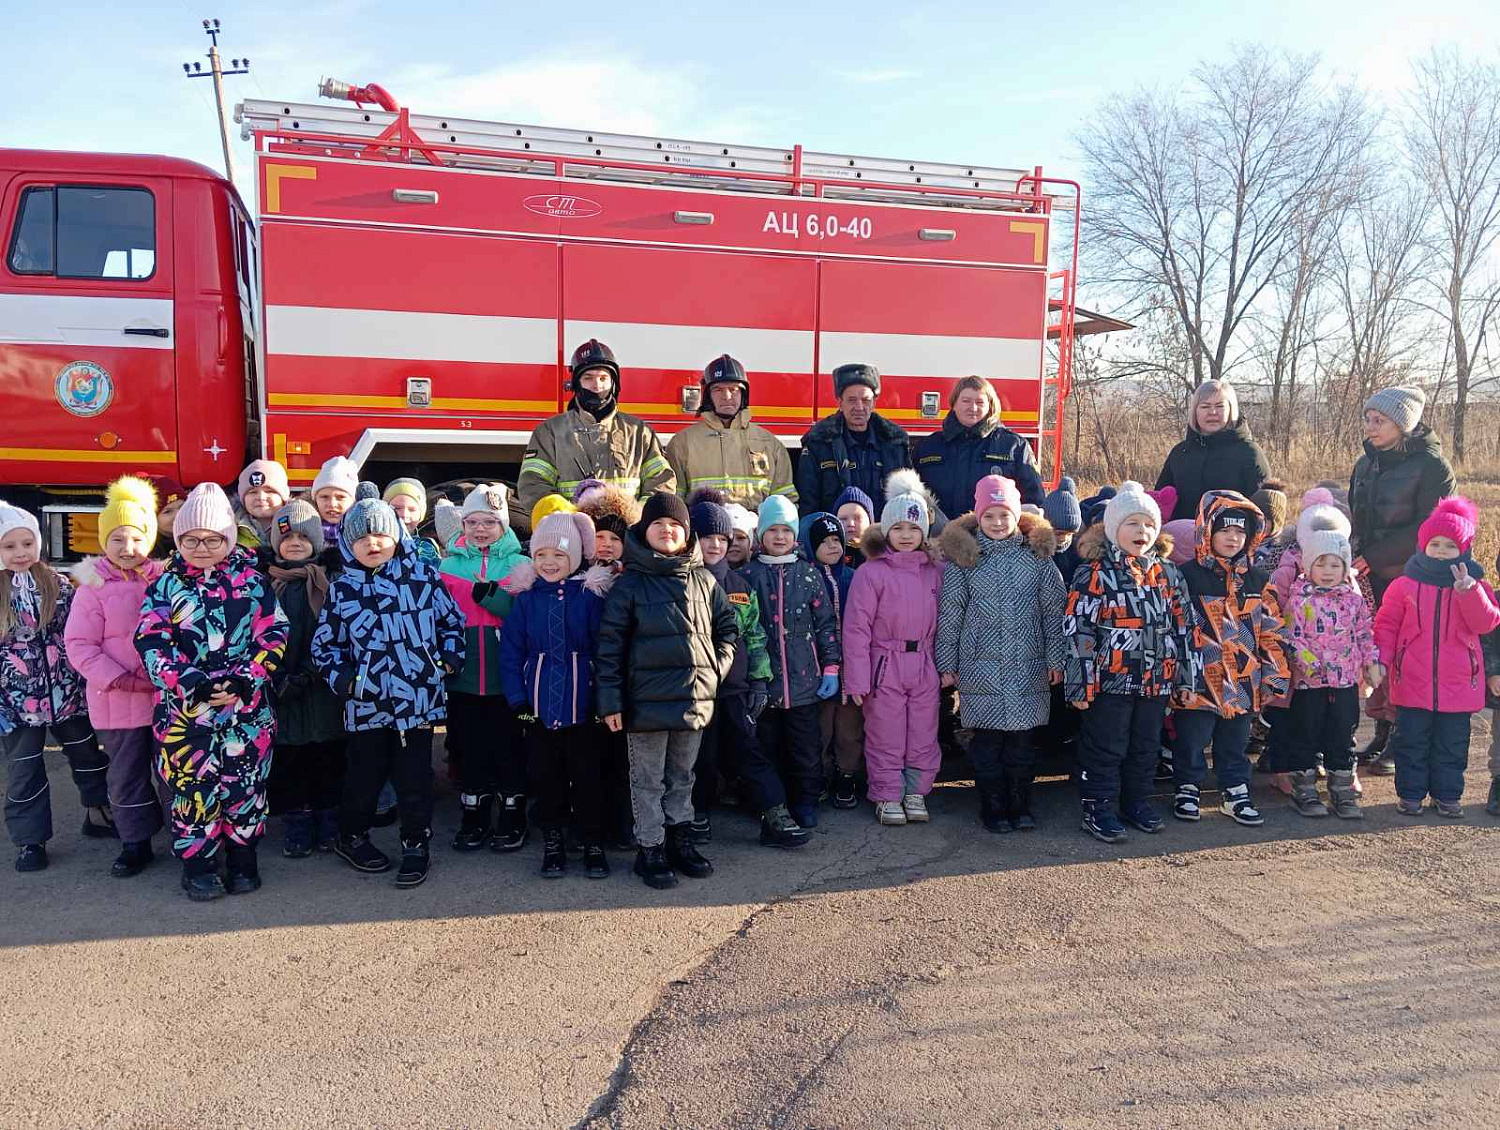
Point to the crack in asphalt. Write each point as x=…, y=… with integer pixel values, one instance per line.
x=605, y=1105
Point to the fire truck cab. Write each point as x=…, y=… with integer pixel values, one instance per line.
x=127, y=325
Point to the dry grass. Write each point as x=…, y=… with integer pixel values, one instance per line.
x=1126, y=442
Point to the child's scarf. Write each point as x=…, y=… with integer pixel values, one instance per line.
x=1435, y=571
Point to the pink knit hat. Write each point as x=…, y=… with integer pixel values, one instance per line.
x=265, y=473
x=205, y=508
x=996, y=490
x=1184, y=534
x=1454, y=517
x=571, y=531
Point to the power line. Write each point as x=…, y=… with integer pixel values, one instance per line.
x=217, y=72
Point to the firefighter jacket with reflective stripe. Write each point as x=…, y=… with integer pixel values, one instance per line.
x=742, y=459
x=571, y=446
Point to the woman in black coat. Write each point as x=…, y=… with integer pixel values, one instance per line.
x=1218, y=453
x=1395, y=485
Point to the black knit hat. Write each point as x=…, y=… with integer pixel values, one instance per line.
x=706, y=509
x=662, y=504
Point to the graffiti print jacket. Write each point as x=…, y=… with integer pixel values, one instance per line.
x=1238, y=656
x=1128, y=622
x=386, y=640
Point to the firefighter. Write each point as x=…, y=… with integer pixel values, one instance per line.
x=855, y=447
x=724, y=451
x=593, y=439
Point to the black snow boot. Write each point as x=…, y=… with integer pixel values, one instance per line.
x=474, y=825
x=652, y=866
x=511, y=833
x=554, y=855
x=200, y=879
x=416, y=860
x=134, y=857
x=1020, y=805
x=359, y=853
x=300, y=834
x=244, y=869
x=778, y=829
x=595, y=862
x=993, y=812
x=683, y=856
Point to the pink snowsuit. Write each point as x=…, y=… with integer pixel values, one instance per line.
x=889, y=630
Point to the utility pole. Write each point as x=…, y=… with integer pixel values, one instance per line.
x=217, y=72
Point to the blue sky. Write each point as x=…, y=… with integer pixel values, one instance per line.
x=997, y=83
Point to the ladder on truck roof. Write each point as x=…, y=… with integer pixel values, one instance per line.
x=511, y=147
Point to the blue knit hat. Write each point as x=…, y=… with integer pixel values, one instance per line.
x=775, y=511
x=854, y=494
x=1092, y=507
x=1061, y=507
x=370, y=517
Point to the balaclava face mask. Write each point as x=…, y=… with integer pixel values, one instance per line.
x=596, y=404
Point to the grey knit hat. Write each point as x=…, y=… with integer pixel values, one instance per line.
x=1061, y=507
x=297, y=517
x=370, y=517
x=1327, y=541
x=1401, y=406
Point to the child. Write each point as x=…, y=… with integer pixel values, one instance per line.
x=1065, y=516
x=841, y=723
x=1000, y=642
x=730, y=746
x=100, y=640
x=1330, y=647
x=889, y=630
x=333, y=493
x=169, y=496
x=613, y=513
x=802, y=639
x=408, y=498
x=447, y=523
x=547, y=668
x=387, y=640
x=307, y=773
x=487, y=739
x=666, y=642
x=263, y=490
x=40, y=691
x=1428, y=629
x=1127, y=626
x=211, y=638
x=1239, y=663
x=1271, y=501
x=741, y=534
x=855, y=512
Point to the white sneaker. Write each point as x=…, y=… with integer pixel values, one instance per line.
x=1237, y=805
x=890, y=812
x=915, y=808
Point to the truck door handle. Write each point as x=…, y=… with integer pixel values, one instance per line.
x=147, y=331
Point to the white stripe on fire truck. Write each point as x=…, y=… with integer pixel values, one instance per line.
x=933, y=355
x=71, y=319
x=407, y=335
x=315, y=331
x=650, y=346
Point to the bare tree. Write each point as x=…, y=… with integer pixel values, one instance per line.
x=1199, y=196
x=1453, y=144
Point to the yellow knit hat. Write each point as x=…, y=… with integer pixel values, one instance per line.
x=550, y=504
x=129, y=501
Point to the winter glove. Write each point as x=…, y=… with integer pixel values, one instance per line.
x=829, y=686
x=483, y=590
x=758, y=700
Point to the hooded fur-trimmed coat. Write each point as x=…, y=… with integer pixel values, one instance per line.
x=1000, y=618
x=1238, y=654
x=1128, y=623
x=893, y=599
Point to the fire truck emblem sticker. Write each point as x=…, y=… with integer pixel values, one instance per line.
x=563, y=207
x=84, y=388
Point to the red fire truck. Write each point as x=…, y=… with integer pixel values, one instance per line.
x=412, y=288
